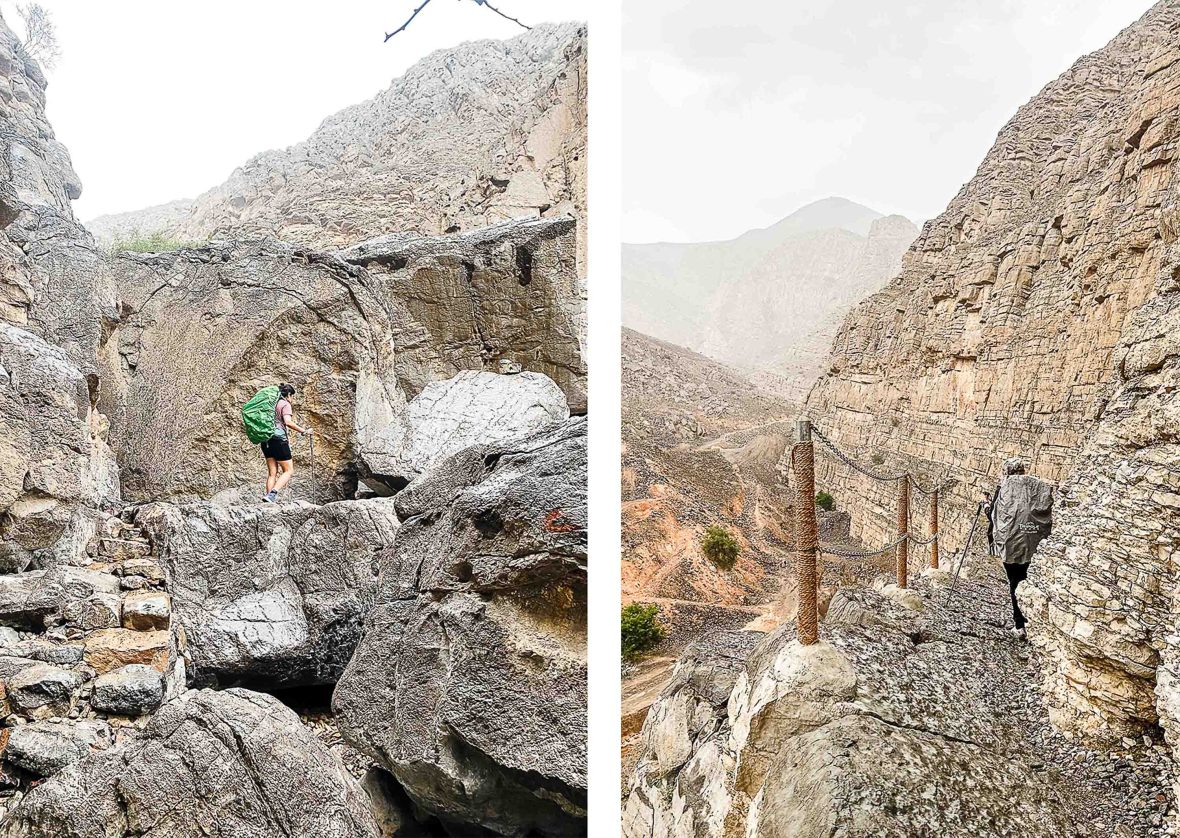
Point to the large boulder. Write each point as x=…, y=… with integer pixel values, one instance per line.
x=270, y=595
x=359, y=333
x=233, y=763
x=55, y=467
x=472, y=408
x=469, y=684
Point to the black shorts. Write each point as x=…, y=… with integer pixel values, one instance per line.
x=276, y=448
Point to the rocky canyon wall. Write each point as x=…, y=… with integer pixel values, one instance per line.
x=1036, y=317
x=169, y=643
x=997, y=337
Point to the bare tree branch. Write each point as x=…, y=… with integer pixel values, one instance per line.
x=40, y=34
x=401, y=28
x=501, y=14
x=425, y=3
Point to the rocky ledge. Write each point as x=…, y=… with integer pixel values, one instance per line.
x=916, y=714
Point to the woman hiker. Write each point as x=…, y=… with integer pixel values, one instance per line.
x=277, y=450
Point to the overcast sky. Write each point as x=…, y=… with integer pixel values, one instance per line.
x=736, y=113
x=162, y=100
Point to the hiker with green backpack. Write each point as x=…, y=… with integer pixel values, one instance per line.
x=267, y=417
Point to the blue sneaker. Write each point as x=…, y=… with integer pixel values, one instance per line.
x=270, y=497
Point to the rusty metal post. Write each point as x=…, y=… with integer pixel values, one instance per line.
x=806, y=532
x=903, y=526
x=934, y=529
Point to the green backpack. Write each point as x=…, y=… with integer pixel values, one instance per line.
x=258, y=414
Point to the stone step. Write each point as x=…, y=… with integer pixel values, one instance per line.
x=124, y=548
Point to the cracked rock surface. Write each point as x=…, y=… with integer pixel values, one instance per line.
x=236, y=762
x=899, y=722
x=469, y=683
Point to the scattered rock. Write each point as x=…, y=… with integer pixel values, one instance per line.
x=129, y=691
x=109, y=649
x=146, y=610
x=45, y=748
x=43, y=686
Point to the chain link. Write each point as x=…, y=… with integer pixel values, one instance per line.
x=847, y=553
x=849, y=461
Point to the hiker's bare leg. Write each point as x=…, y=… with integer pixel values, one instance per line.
x=286, y=470
x=272, y=473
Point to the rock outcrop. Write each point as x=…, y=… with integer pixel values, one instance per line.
x=898, y=722
x=55, y=467
x=469, y=684
x=770, y=299
x=270, y=595
x=359, y=333
x=51, y=278
x=236, y=761
x=470, y=136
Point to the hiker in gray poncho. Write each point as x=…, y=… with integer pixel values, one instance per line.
x=1019, y=516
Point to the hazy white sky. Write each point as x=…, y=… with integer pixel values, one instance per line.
x=737, y=113
x=162, y=100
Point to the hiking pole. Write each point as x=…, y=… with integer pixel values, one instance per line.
x=311, y=445
x=963, y=555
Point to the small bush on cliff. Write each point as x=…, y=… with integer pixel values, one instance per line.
x=825, y=501
x=641, y=629
x=720, y=547
x=157, y=242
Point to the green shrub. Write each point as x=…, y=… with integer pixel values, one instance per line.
x=825, y=501
x=720, y=547
x=641, y=629
x=157, y=242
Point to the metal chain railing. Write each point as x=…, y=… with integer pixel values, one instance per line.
x=849, y=553
x=808, y=548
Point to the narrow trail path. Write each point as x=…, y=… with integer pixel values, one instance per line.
x=1124, y=791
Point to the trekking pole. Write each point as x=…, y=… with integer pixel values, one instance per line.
x=311, y=444
x=963, y=555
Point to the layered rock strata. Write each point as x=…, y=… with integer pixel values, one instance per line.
x=1035, y=318
x=998, y=336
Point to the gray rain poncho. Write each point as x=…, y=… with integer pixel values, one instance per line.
x=1022, y=515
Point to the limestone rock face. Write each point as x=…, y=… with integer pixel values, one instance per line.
x=358, y=333
x=470, y=136
x=794, y=740
x=998, y=336
x=55, y=466
x=469, y=684
x=236, y=759
x=51, y=282
x=272, y=594
x=1101, y=593
x=473, y=408
x=1036, y=317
